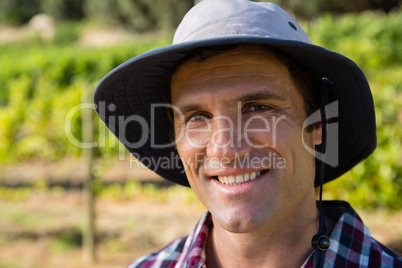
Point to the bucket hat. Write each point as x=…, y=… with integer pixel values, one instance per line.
x=130, y=99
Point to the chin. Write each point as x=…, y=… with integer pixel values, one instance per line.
x=240, y=221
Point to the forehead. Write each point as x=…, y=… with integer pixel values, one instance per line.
x=212, y=58
x=246, y=62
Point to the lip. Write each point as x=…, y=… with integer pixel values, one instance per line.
x=239, y=178
x=233, y=172
x=242, y=188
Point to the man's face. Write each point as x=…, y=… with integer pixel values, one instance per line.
x=240, y=138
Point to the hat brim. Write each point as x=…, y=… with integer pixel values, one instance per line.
x=141, y=81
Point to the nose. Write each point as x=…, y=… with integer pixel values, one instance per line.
x=226, y=141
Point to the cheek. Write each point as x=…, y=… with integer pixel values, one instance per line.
x=191, y=154
x=299, y=161
x=284, y=137
x=193, y=138
x=270, y=132
x=193, y=159
x=186, y=152
x=196, y=138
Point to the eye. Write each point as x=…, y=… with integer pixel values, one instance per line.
x=257, y=108
x=198, y=117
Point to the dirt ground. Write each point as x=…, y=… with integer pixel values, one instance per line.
x=44, y=229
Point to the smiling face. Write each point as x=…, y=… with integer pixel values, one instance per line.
x=239, y=133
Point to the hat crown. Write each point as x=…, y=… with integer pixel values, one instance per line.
x=212, y=19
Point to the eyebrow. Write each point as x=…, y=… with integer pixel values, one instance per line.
x=262, y=95
x=188, y=108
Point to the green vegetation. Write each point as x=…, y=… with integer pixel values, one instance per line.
x=42, y=83
x=373, y=41
x=131, y=190
x=134, y=190
x=138, y=15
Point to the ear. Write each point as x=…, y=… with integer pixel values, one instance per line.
x=317, y=134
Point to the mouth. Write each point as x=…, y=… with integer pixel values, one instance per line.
x=239, y=178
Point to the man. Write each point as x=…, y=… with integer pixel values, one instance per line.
x=243, y=97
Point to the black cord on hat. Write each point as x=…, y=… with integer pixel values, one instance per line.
x=321, y=241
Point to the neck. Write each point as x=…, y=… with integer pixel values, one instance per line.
x=283, y=243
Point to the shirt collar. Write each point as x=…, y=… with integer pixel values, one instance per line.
x=348, y=235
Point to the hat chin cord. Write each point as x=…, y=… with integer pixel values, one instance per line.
x=321, y=241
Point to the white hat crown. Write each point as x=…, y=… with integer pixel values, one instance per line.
x=212, y=19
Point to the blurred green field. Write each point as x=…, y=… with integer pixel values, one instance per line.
x=373, y=41
x=41, y=82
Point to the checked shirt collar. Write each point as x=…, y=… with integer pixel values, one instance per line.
x=351, y=245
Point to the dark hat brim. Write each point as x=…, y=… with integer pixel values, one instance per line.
x=134, y=86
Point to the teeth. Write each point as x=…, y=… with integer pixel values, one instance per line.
x=231, y=179
x=246, y=177
x=238, y=179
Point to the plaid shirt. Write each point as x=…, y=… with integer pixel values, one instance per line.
x=351, y=245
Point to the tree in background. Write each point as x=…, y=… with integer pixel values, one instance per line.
x=63, y=9
x=18, y=11
x=139, y=15
x=312, y=8
x=135, y=15
x=145, y=15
